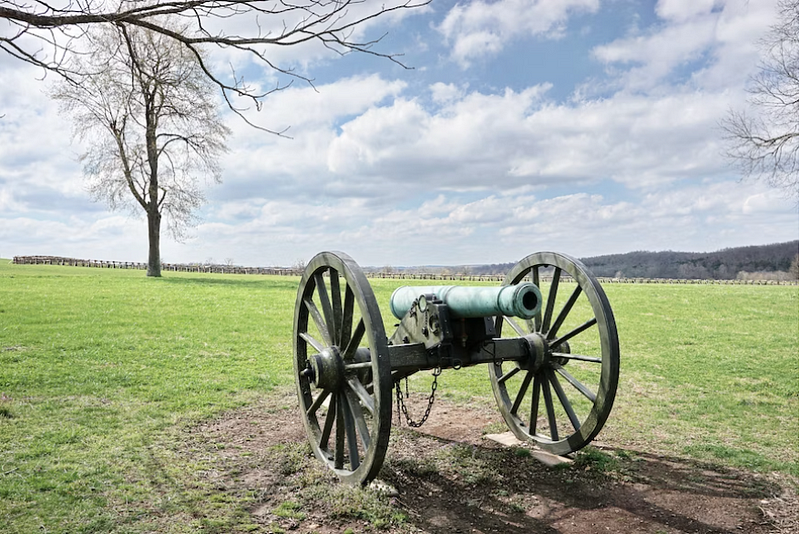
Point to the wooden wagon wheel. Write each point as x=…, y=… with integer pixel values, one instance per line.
x=342, y=367
x=560, y=396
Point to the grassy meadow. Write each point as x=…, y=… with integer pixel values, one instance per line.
x=101, y=369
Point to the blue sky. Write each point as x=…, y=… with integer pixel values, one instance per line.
x=581, y=126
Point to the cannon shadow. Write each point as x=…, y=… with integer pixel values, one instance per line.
x=458, y=487
x=256, y=458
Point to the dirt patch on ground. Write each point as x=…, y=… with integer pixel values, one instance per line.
x=448, y=478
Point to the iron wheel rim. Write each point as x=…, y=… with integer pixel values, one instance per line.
x=552, y=384
x=357, y=418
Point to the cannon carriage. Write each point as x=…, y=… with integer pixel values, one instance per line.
x=547, y=336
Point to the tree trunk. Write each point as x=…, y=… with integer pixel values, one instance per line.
x=154, y=238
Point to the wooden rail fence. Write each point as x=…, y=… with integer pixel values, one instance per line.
x=105, y=264
x=284, y=271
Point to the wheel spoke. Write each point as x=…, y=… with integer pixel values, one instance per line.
x=336, y=298
x=358, y=416
x=579, y=357
x=350, y=431
x=562, y=398
x=537, y=386
x=551, y=300
x=330, y=417
x=513, y=324
x=313, y=311
x=551, y=413
x=338, y=461
x=508, y=375
x=531, y=325
x=586, y=392
x=564, y=312
x=355, y=341
x=356, y=366
x=572, y=333
x=363, y=395
x=317, y=402
x=319, y=347
x=347, y=316
x=537, y=319
x=325, y=302
x=523, y=388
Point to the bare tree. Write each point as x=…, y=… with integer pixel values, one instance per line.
x=763, y=141
x=149, y=116
x=45, y=34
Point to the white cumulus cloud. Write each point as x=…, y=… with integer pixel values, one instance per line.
x=479, y=29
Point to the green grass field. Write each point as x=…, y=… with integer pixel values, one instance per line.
x=98, y=368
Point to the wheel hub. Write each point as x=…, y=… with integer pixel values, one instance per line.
x=541, y=353
x=538, y=353
x=326, y=369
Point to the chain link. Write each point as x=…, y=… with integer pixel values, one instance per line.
x=401, y=405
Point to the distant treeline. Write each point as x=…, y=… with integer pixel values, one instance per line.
x=766, y=263
x=778, y=260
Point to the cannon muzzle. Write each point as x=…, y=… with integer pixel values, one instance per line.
x=522, y=300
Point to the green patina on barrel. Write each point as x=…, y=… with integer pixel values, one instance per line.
x=523, y=300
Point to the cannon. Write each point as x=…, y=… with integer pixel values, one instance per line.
x=547, y=336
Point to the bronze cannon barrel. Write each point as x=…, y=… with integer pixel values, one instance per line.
x=522, y=300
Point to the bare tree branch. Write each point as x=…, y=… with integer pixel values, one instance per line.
x=44, y=35
x=763, y=141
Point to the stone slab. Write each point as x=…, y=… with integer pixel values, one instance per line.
x=550, y=459
x=508, y=439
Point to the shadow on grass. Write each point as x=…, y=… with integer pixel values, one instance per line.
x=260, y=461
x=514, y=494
x=272, y=282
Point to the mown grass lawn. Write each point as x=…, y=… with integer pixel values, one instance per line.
x=98, y=367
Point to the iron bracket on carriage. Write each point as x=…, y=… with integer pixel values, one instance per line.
x=547, y=336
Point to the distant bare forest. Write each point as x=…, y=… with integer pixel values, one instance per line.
x=776, y=261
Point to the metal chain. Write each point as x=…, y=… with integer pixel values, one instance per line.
x=401, y=405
